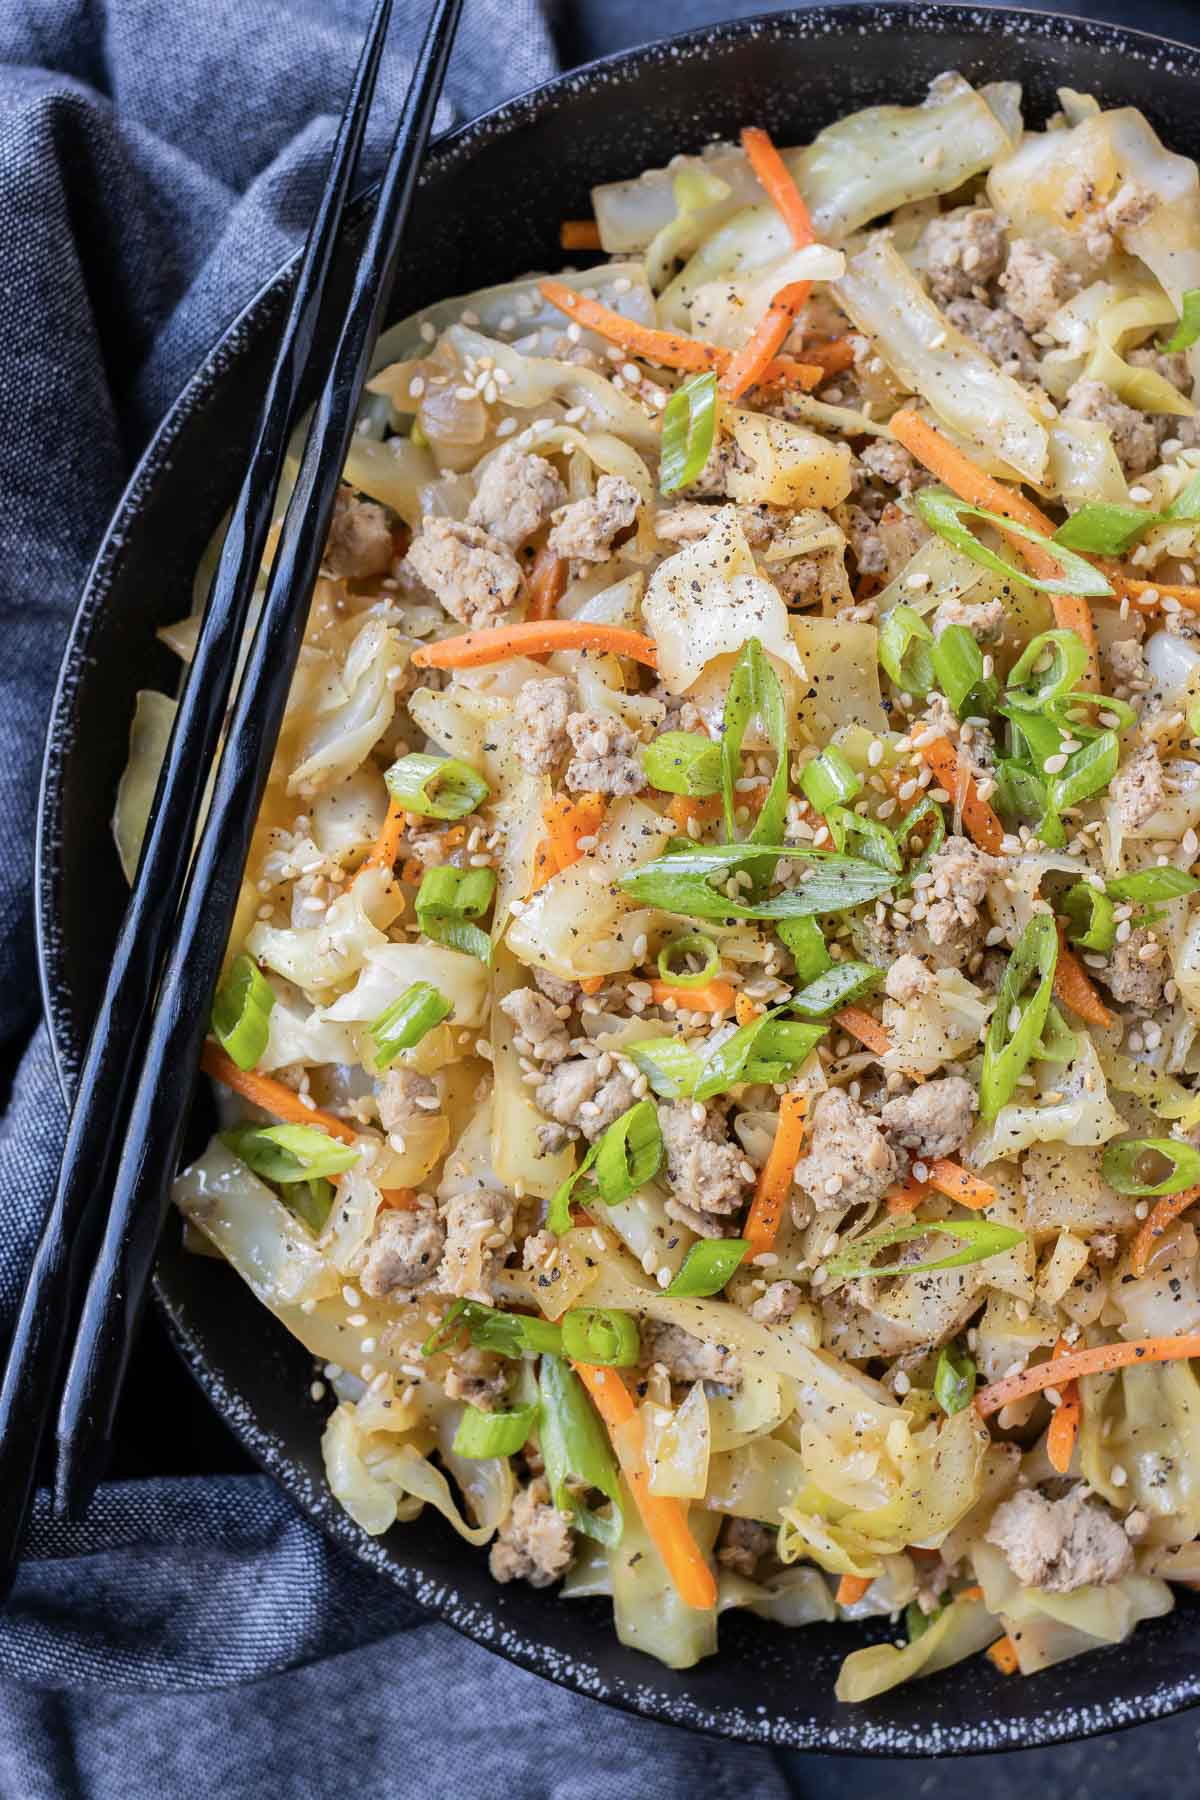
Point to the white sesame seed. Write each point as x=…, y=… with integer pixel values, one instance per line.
x=317, y=1390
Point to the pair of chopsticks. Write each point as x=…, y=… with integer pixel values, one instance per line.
x=97, y=1247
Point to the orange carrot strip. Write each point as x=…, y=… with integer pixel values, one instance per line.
x=1064, y=1426
x=1074, y=987
x=496, y=643
x=272, y=1096
x=981, y=822
x=775, y=1181
x=544, y=866
x=714, y=996
x=833, y=358
x=960, y=474
x=749, y=365
x=1162, y=1213
x=1102, y=1359
x=569, y=820
x=1147, y=594
x=387, y=844
x=865, y=1027
x=851, y=1588
x=579, y=234
x=668, y=348
x=547, y=584
x=400, y=1199
x=777, y=182
x=908, y=1196
x=1004, y=1654
x=970, y=1593
x=683, y=808
x=746, y=1010
x=665, y=1520
x=591, y=984
x=957, y=1183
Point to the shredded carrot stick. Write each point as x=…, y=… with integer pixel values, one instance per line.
x=957, y=1183
x=775, y=1180
x=535, y=637
x=683, y=809
x=271, y=1095
x=970, y=1593
x=851, y=1588
x=1162, y=1214
x=714, y=996
x=1004, y=1654
x=1147, y=594
x=668, y=348
x=908, y=1196
x=387, y=844
x=780, y=188
x=1064, y=1426
x=1074, y=987
x=400, y=1199
x=579, y=234
x=746, y=1010
x=834, y=358
x=865, y=1027
x=983, y=826
x=749, y=365
x=960, y=474
x=665, y=1520
x=569, y=820
x=544, y=866
x=411, y=870
x=591, y=984
x=547, y=584
x=1101, y=1359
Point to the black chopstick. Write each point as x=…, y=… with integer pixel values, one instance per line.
x=160, y=1104
x=49, y=1306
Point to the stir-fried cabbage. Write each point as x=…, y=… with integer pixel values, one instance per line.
x=961, y=1629
x=149, y=734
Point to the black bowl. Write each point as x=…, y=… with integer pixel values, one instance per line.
x=488, y=208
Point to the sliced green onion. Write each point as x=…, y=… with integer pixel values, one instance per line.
x=688, y=427
x=679, y=882
x=575, y=1449
x=507, y=1334
x=1008, y=1048
x=1059, y=1044
x=1031, y=689
x=1103, y=529
x=707, y=1267
x=806, y=942
x=447, y=899
x=1188, y=328
x=980, y=1239
x=693, y=943
x=309, y=1200
x=944, y=512
x=1186, y=504
x=954, y=1379
x=683, y=762
x=438, y=787
x=405, y=1022
x=290, y=1152
x=1090, y=916
x=1071, y=712
x=1152, y=884
x=878, y=843
x=629, y=1153
x=241, y=1012
x=1088, y=772
x=830, y=779
x=1121, y=1166
x=669, y=1064
x=840, y=986
x=767, y=1049
x=603, y=1335
x=755, y=689
x=958, y=665
x=905, y=650
x=917, y=1621
x=484, y=1434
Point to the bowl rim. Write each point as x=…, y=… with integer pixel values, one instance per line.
x=858, y=1735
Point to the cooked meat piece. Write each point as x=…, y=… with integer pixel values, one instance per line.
x=1134, y=434
x=360, y=538
x=606, y=759
x=706, y=1172
x=399, y=1097
x=404, y=1250
x=811, y=580
x=517, y=493
x=1173, y=366
x=998, y=335
x=534, y=1543
x=479, y=1235
x=585, y=529
x=1129, y=674
x=744, y=1543
x=689, y=521
x=543, y=1035
x=1062, y=1544
x=963, y=251
x=985, y=620
x=881, y=546
x=777, y=1305
x=907, y=979
x=724, y=459
x=562, y=993
x=849, y=1162
x=934, y=1119
x=576, y=1097
x=952, y=890
x=1036, y=283
x=870, y=552
x=1130, y=207
x=474, y=576
x=542, y=708
x=1137, y=971
x=892, y=463
x=688, y=1358
x=477, y=1376
x=1138, y=788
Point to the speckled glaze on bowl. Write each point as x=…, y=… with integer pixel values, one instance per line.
x=489, y=206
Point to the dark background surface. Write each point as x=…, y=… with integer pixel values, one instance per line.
x=1134, y=1765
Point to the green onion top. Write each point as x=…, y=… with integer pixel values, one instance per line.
x=242, y=1011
